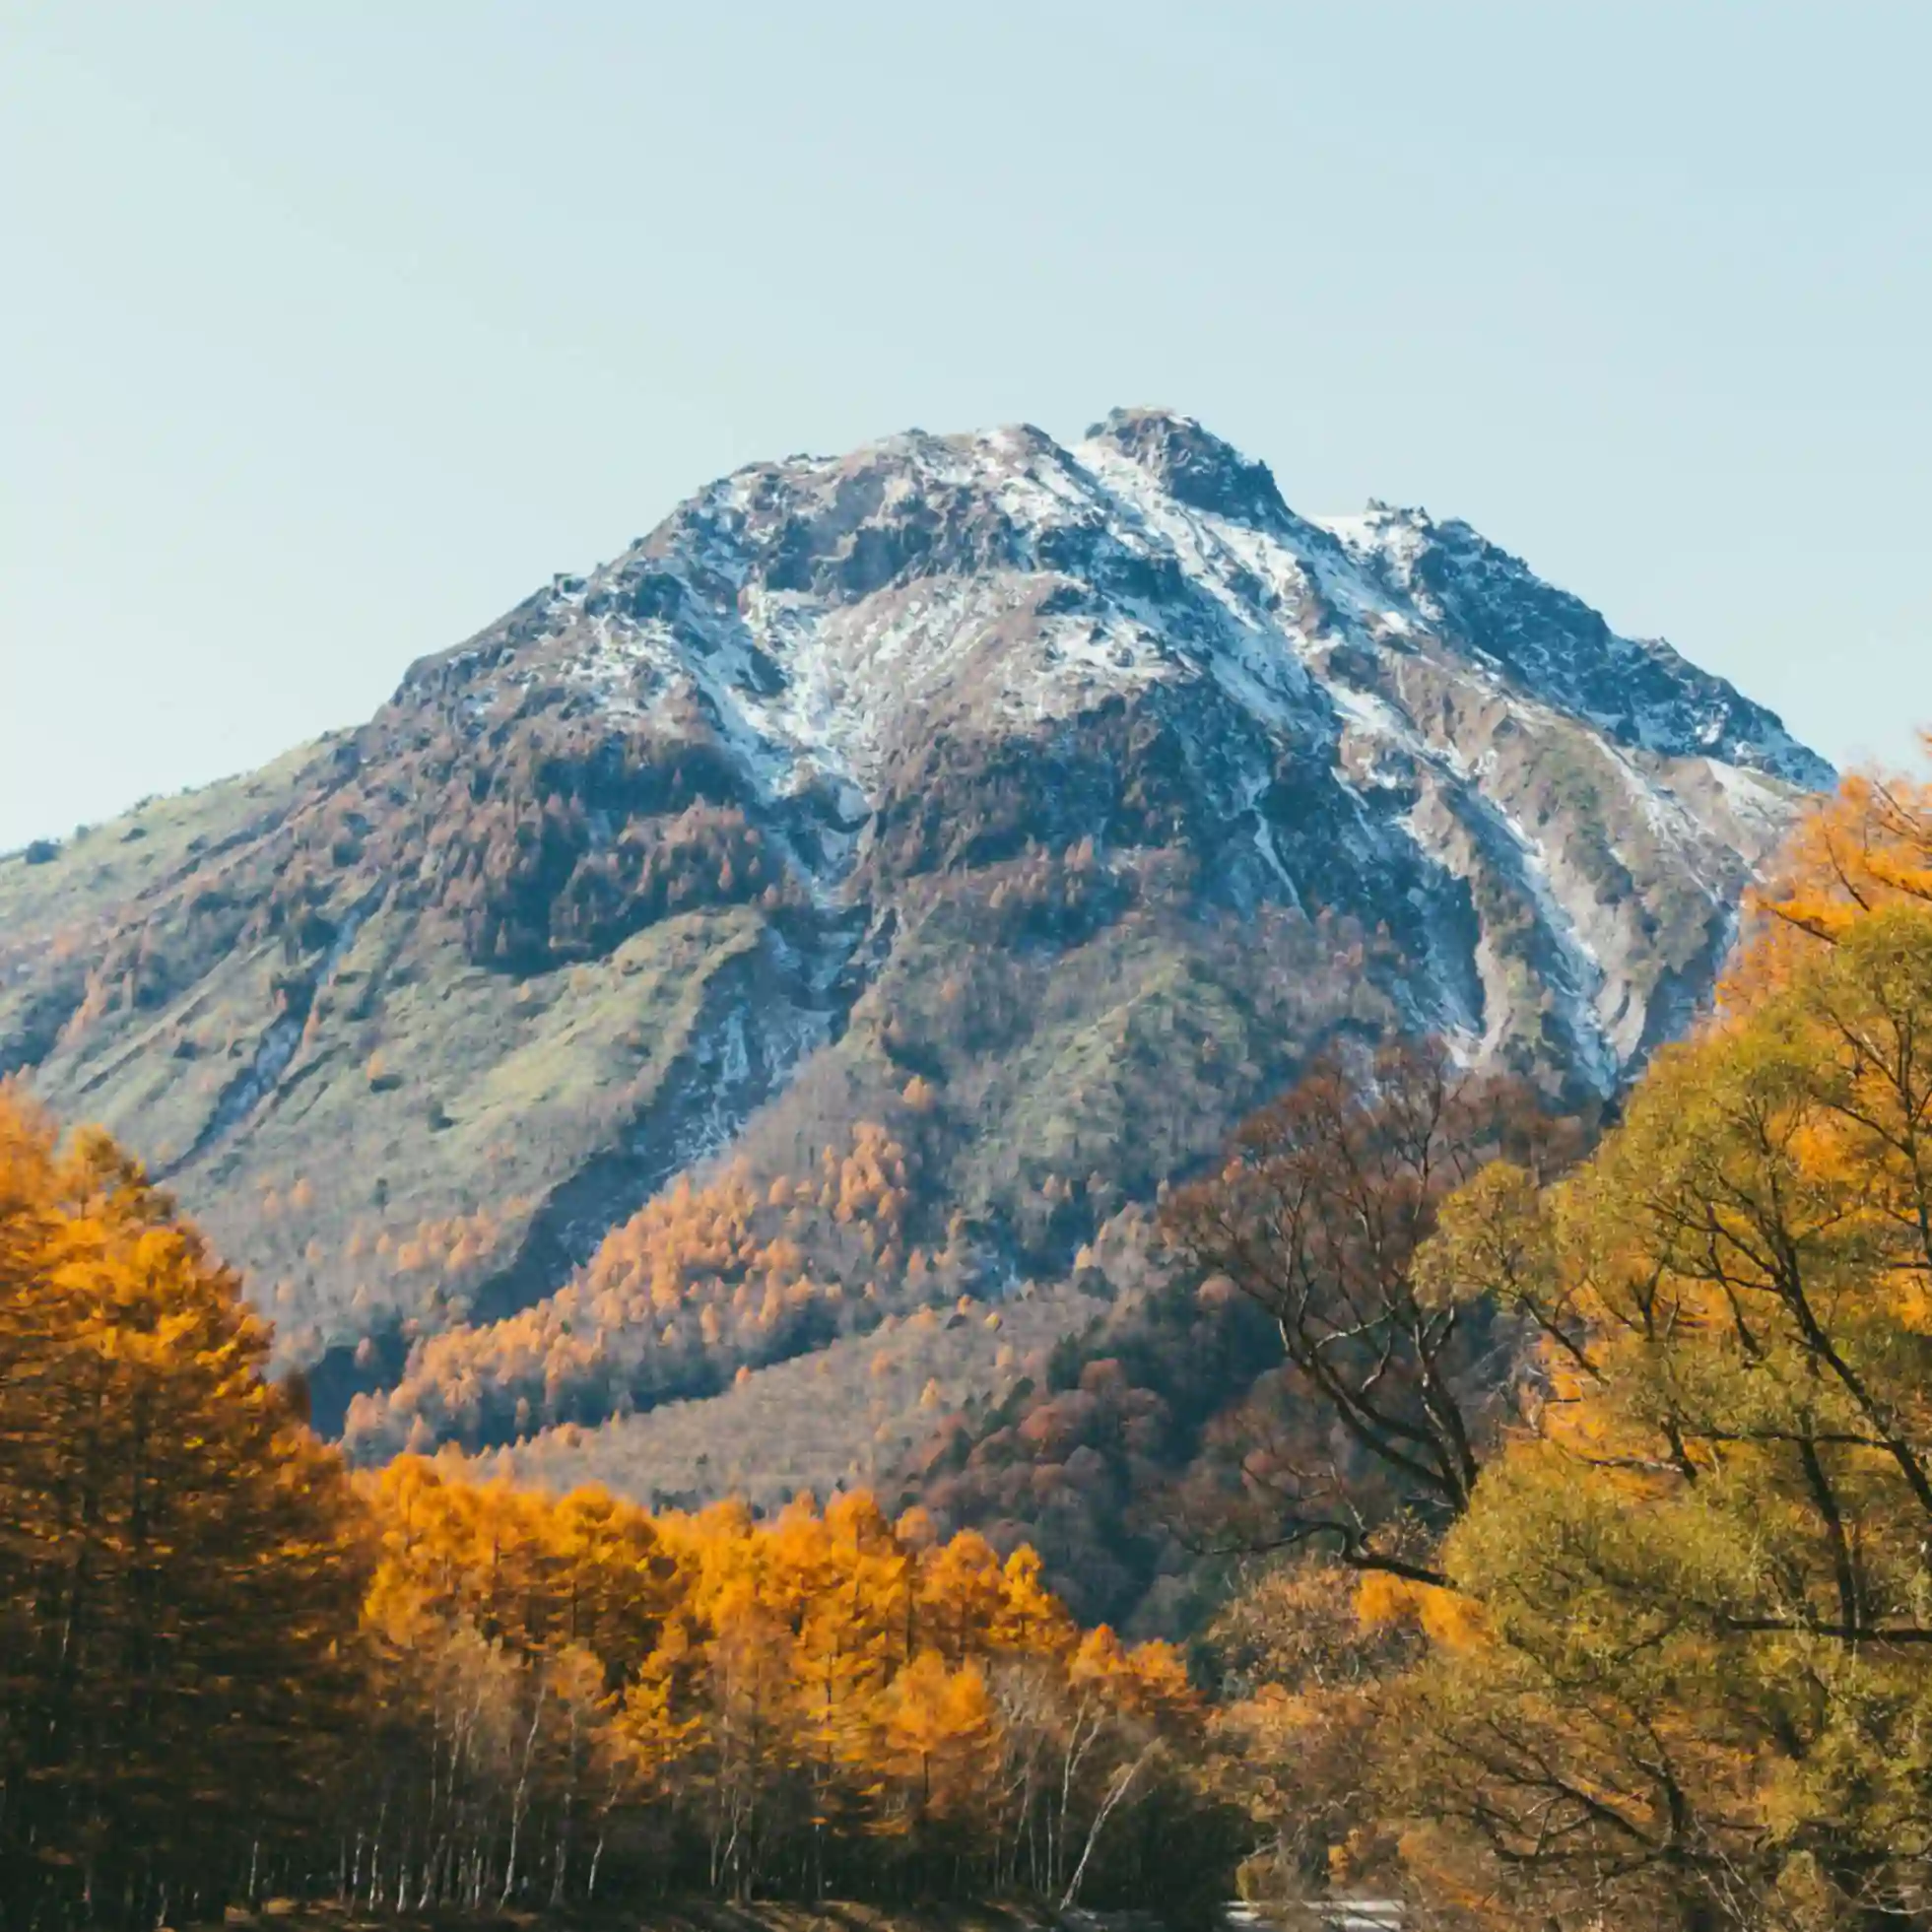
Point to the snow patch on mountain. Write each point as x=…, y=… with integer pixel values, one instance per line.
x=822, y=617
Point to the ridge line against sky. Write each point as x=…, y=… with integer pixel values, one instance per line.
x=339, y=334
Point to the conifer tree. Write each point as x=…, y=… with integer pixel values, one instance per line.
x=179, y=1571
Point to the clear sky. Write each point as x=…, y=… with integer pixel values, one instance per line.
x=329, y=332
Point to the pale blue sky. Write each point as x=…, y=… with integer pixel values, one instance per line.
x=329, y=330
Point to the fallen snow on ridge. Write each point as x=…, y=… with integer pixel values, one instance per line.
x=823, y=613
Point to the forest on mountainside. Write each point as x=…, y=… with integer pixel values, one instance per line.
x=1584, y=1519
x=229, y=1668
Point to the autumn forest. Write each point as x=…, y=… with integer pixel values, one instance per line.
x=1567, y=1567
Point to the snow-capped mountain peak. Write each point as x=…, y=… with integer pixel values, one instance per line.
x=1376, y=701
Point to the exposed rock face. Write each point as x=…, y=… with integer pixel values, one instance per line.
x=954, y=647
x=955, y=765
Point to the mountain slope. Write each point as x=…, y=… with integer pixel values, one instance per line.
x=917, y=856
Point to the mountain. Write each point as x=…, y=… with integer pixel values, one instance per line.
x=726, y=1012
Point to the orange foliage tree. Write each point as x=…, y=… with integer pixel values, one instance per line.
x=179, y=1562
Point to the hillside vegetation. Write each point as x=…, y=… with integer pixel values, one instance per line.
x=1582, y=1512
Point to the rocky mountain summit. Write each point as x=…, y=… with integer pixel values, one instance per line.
x=834, y=917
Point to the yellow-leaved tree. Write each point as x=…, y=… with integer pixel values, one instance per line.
x=1630, y=1456
x=1690, y=1680
x=180, y=1573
